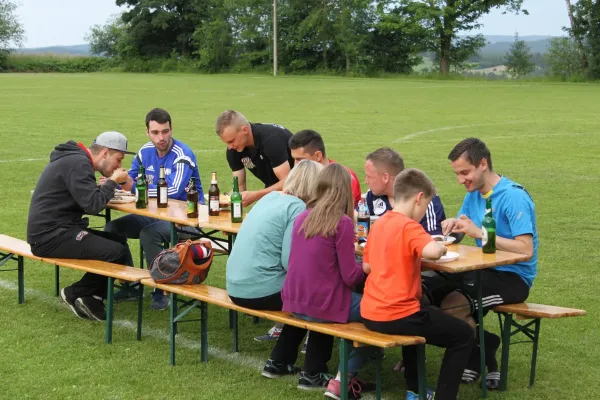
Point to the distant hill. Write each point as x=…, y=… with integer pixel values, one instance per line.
x=497, y=45
x=76, y=50
x=536, y=46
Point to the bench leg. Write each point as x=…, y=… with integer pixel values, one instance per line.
x=421, y=371
x=234, y=322
x=174, y=235
x=505, y=351
x=231, y=319
x=481, y=333
x=256, y=320
x=56, y=280
x=536, y=337
x=173, y=325
x=142, y=256
x=203, y=331
x=378, y=362
x=140, y=310
x=109, y=309
x=21, y=279
x=344, y=352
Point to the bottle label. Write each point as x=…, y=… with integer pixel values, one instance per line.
x=214, y=204
x=163, y=195
x=190, y=207
x=237, y=210
x=362, y=231
x=484, y=237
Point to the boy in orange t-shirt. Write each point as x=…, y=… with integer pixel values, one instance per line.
x=391, y=299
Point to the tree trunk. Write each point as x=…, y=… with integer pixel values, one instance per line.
x=584, y=60
x=445, y=47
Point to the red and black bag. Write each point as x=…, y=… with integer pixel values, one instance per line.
x=185, y=263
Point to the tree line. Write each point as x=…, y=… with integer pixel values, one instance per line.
x=361, y=37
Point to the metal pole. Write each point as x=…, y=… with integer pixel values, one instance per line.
x=274, y=37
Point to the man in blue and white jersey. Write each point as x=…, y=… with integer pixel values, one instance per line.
x=180, y=165
x=381, y=168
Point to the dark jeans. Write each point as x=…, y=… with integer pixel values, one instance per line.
x=152, y=233
x=268, y=303
x=318, y=349
x=438, y=329
x=86, y=244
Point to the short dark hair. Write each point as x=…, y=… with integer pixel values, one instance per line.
x=159, y=115
x=473, y=150
x=410, y=182
x=387, y=158
x=309, y=139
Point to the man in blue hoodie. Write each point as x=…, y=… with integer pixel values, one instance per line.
x=180, y=165
x=67, y=189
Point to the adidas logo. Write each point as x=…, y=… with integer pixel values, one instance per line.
x=150, y=168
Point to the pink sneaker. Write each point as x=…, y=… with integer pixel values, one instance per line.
x=334, y=389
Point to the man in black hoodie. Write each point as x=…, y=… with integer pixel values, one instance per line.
x=65, y=191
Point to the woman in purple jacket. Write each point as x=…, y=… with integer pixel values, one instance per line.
x=318, y=287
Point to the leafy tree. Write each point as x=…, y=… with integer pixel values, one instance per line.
x=518, y=59
x=564, y=58
x=444, y=19
x=104, y=39
x=11, y=31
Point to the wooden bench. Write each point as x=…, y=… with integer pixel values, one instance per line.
x=16, y=249
x=351, y=333
x=533, y=313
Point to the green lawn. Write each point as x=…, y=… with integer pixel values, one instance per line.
x=544, y=136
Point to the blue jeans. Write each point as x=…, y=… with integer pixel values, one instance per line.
x=152, y=233
x=359, y=355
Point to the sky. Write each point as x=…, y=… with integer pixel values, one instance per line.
x=66, y=22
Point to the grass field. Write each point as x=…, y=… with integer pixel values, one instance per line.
x=544, y=136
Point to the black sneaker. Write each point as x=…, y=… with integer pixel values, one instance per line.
x=92, y=307
x=71, y=302
x=316, y=381
x=276, y=370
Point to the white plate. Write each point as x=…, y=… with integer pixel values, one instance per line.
x=122, y=199
x=446, y=242
x=450, y=256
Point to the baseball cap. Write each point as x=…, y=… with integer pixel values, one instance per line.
x=113, y=140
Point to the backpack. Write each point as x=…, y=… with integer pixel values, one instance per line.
x=185, y=263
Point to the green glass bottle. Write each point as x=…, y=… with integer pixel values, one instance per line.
x=488, y=229
x=236, y=202
x=141, y=189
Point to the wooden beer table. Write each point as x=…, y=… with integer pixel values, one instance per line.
x=471, y=258
x=176, y=213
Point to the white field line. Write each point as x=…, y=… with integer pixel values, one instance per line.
x=451, y=128
x=160, y=334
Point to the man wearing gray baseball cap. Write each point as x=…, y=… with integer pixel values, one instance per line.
x=65, y=191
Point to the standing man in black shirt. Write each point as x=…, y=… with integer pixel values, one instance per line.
x=261, y=148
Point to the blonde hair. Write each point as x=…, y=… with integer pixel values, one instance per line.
x=331, y=201
x=229, y=118
x=410, y=182
x=302, y=180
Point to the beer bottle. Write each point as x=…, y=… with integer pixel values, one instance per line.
x=145, y=180
x=363, y=221
x=162, y=189
x=192, y=199
x=213, y=196
x=488, y=229
x=141, y=189
x=236, y=202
